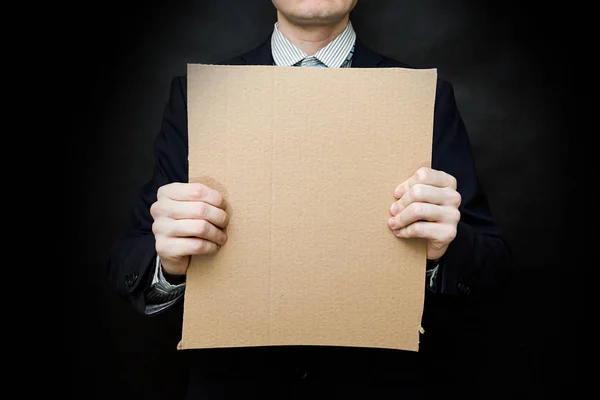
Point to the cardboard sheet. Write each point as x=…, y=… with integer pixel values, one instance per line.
x=308, y=160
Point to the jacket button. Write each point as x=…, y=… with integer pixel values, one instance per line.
x=300, y=373
x=131, y=278
x=465, y=289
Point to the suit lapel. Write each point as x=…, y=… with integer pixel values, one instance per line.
x=364, y=57
x=260, y=55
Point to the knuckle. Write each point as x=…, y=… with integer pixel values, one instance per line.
x=201, y=227
x=153, y=210
x=161, y=247
x=456, y=215
x=451, y=233
x=163, y=229
x=421, y=174
x=201, y=210
x=457, y=198
x=453, y=181
x=224, y=219
x=163, y=191
x=197, y=191
x=198, y=246
x=219, y=198
x=415, y=229
x=173, y=228
x=454, y=196
x=417, y=209
x=203, y=247
x=416, y=191
x=155, y=227
x=156, y=209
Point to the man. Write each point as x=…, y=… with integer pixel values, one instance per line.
x=173, y=220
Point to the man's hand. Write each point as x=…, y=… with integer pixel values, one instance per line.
x=189, y=218
x=427, y=208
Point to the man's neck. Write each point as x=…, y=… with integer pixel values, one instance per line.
x=310, y=38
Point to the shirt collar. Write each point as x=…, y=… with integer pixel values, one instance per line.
x=333, y=55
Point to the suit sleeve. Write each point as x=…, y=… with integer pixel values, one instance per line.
x=478, y=260
x=133, y=256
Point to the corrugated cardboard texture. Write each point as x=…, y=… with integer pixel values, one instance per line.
x=308, y=159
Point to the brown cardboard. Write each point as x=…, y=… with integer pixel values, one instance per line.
x=308, y=160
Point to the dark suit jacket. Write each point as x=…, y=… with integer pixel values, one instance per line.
x=473, y=264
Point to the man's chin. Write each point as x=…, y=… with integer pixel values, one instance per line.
x=320, y=19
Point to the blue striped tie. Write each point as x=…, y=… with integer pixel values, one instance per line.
x=311, y=61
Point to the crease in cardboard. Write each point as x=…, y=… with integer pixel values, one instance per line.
x=272, y=149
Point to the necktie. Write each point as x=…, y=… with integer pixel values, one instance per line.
x=311, y=61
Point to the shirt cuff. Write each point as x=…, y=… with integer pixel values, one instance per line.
x=159, y=277
x=162, y=294
x=431, y=280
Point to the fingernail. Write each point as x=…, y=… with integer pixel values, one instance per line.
x=398, y=192
x=394, y=209
x=397, y=233
x=391, y=222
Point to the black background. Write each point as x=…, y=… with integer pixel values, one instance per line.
x=512, y=66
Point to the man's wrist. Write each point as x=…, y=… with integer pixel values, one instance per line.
x=431, y=264
x=173, y=279
x=161, y=275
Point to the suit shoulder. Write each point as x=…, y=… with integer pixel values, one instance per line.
x=178, y=86
x=236, y=60
x=387, y=62
x=180, y=81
